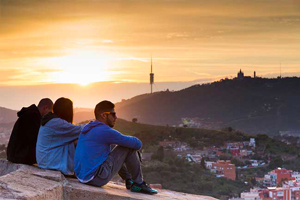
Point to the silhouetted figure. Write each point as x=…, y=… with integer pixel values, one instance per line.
x=22, y=142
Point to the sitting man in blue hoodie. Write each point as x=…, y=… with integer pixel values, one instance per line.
x=96, y=163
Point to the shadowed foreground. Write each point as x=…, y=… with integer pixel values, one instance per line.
x=29, y=182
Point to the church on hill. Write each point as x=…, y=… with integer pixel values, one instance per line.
x=241, y=76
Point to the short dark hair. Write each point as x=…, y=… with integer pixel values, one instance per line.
x=103, y=106
x=63, y=108
x=45, y=102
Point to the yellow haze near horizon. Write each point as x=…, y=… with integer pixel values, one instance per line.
x=82, y=68
x=82, y=42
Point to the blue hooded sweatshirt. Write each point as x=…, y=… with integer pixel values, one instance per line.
x=55, y=144
x=93, y=148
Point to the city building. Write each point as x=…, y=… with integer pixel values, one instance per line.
x=280, y=193
x=296, y=176
x=235, y=151
x=208, y=164
x=277, y=176
x=224, y=168
x=244, y=152
x=270, y=179
x=194, y=158
x=296, y=195
x=252, y=195
x=282, y=175
x=252, y=142
x=240, y=74
x=290, y=189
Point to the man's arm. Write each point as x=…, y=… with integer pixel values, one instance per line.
x=115, y=137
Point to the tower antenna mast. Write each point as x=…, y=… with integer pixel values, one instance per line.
x=151, y=76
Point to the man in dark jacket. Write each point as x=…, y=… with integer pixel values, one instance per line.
x=22, y=142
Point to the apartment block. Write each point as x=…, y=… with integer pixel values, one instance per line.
x=225, y=169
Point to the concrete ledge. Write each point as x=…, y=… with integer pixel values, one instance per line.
x=7, y=167
x=117, y=191
x=29, y=182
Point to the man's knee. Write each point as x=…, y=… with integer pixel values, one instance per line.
x=126, y=149
x=98, y=182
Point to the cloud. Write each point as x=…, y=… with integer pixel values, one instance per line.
x=25, y=75
x=199, y=73
x=202, y=36
x=108, y=41
x=8, y=74
x=135, y=59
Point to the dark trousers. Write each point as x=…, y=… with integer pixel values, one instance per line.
x=122, y=160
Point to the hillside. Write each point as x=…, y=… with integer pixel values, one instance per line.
x=176, y=174
x=82, y=114
x=7, y=115
x=250, y=105
x=150, y=135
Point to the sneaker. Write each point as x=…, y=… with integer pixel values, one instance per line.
x=128, y=183
x=143, y=188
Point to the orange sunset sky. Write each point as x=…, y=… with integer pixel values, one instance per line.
x=62, y=47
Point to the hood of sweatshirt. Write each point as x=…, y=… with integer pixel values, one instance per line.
x=48, y=117
x=31, y=109
x=91, y=125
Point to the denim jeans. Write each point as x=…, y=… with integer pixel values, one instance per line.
x=122, y=160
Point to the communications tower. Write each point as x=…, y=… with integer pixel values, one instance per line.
x=151, y=76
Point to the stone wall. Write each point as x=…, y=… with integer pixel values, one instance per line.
x=29, y=182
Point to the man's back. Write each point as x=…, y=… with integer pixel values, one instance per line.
x=93, y=148
x=22, y=142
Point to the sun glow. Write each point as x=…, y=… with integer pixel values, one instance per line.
x=83, y=67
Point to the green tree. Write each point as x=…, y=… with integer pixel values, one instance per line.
x=202, y=163
x=276, y=162
x=237, y=162
x=253, y=181
x=159, y=155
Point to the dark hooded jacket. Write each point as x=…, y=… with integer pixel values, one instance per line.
x=22, y=142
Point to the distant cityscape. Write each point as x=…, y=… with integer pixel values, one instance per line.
x=211, y=156
x=279, y=184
